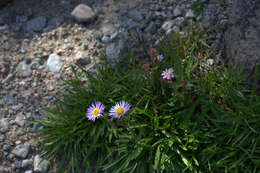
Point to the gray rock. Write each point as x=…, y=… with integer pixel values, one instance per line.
x=242, y=38
x=9, y=99
x=28, y=171
x=179, y=21
x=190, y=14
x=177, y=11
x=210, y=62
x=167, y=25
x=26, y=163
x=21, y=150
x=36, y=24
x=6, y=147
x=114, y=51
x=25, y=45
x=208, y=16
x=135, y=15
x=17, y=164
x=21, y=19
x=106, y=39
x=4, y=125
x=108, y=29
x=98, y=35
x=83, y=13
x=2, y=137
x=130, y=24
x=40, y=165
x=56, y=21
x=4, y=28
x=19, y=120
x=24, y=69
x=151, y=28
x=54, y=63
x=82, y=59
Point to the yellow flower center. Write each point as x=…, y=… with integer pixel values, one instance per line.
x=120, y=111
x=95, y=111
x=168, y=74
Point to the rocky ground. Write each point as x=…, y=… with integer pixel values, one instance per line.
x=39, y=40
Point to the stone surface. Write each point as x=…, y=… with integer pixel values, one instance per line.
x=190, y=14
x=24, y=69
x=208, y=16
x=36, y=24
x=54, y=63
x=40, y=165
x=135, y=15
x=177, y=11
x=21, y=151
x=19, y=120
x=4, y=125
x=83, y=13
x=114, y=51
x=26, y=163
x=242, y=38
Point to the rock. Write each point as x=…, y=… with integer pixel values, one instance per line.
x=105, y=39
x=24, y=69
x=83, y=13
x=18, y=164
x=151, y=28
x=190, y=14
x=98, y=35
x=40, y=165
x=114, y=51
x=4, y=28
x=36, y=24
x=82, y=59
x=19, y=120
x=167, y=25
x=208, y=16
x=25, y=46
x=54, y=63
x=26, y=163
x=108, y=30
x=56, y=21
x=177, y=11
x=242, y=38
x=28, y=171
x=21, y=151
x=135, y=15
x=6, y=147
x=179, y=21
x=210, y=61
x=4, y=125
x=9, y=99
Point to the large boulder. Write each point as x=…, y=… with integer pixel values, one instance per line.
x=242, y=38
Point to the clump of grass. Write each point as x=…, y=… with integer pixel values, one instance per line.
x=187, y=115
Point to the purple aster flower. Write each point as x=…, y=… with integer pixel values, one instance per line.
x=168, y=73
x=95, y=111
x=159, y=58
x=119, y=109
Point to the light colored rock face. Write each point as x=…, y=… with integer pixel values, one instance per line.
x=242, y=38
x=40, y=165
x=21, y=151
x=54, y=63
x=83, y=13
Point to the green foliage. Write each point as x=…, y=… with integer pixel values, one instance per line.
x=198, y=6
x=205, y=119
